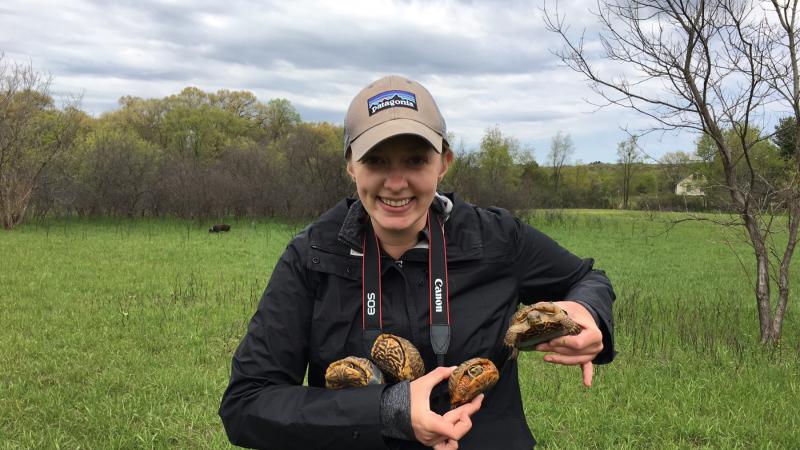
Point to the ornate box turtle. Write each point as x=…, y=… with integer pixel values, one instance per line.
x=397, y=358
x=538, y=323
x=470, y=379
x=352, y=372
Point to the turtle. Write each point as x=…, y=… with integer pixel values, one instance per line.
x=352, y=372
x=472, y=377
x=397, y=357
x=537, y=323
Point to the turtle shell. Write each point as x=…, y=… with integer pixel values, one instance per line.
x=470, y=379
x=397, y=358
x=537, y=323
x=352, y=372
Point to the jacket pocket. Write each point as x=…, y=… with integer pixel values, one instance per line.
x=330, y=263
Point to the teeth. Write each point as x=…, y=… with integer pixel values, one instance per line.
x=396, y=203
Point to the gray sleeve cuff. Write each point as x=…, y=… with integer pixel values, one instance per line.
x=396, y=412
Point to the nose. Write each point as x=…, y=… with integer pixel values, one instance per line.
x=395, y=178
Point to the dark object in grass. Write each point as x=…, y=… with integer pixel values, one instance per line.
x=537, y=323
x=352, y=372
x=219, y=227
x=471, y=378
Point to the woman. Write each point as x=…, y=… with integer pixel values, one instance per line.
x=407, y=260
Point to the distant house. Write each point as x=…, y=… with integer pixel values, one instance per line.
x=692, y=185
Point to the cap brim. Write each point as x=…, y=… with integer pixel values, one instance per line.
x=379, y=133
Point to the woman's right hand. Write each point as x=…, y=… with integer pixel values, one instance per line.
x=433, y=430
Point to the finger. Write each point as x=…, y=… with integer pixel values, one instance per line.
x=460, y=417
x=567, y=351
x=460, y=421
x=468, y=409
x=431, y=439
x=584, y=343
x=435, y=377
x=463, y=425
x=420, y=389
x=446, y=445
x=436, y=424
x=439, y=442
x=566, y=360
x=473, y=406
x=557, y=349
x=588, y=373
x=586, y=338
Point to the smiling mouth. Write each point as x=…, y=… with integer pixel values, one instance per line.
x=396, y=203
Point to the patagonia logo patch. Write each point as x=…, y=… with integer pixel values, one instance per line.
x=392, y=99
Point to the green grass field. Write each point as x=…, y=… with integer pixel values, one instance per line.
x=119, y=334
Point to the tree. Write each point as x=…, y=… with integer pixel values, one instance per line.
x=32, y=133
x=628, y=157
x=561, y=150
x=675, y=166
x=314, y=152
x=711, y=66
x=117, y=170
x=784, y=137
x=500, y=173
x=763, y=158
x=278, y=117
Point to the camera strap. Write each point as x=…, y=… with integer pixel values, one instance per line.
x=438, y=297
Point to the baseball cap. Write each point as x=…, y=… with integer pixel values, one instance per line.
x=391, y=106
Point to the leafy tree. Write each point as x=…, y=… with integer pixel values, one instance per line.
x=117, y=170
x=278, y=118
x=628, y=156
x=561, y=150
x=33, y=132
x=675, y=167
x=761, y=157
x=500, y=161
x=784, y=136
x=193, y=123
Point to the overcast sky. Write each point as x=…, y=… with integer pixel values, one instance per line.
x=487, y=63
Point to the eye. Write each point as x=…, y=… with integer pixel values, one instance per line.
x=416, y=161
x=373, y=161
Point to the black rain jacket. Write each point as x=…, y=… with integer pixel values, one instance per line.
x=310, y=315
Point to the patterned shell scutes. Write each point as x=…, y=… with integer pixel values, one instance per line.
x=537, y=323
x=352, y=372
x=471, y=378
x=397, y=357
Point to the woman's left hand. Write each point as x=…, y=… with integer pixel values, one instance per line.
x=579, y=349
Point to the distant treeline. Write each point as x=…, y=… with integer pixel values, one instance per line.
x=211, y=155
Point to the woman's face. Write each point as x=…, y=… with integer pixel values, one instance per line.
x=396, y=182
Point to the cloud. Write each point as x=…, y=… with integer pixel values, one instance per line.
x=487, y=63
